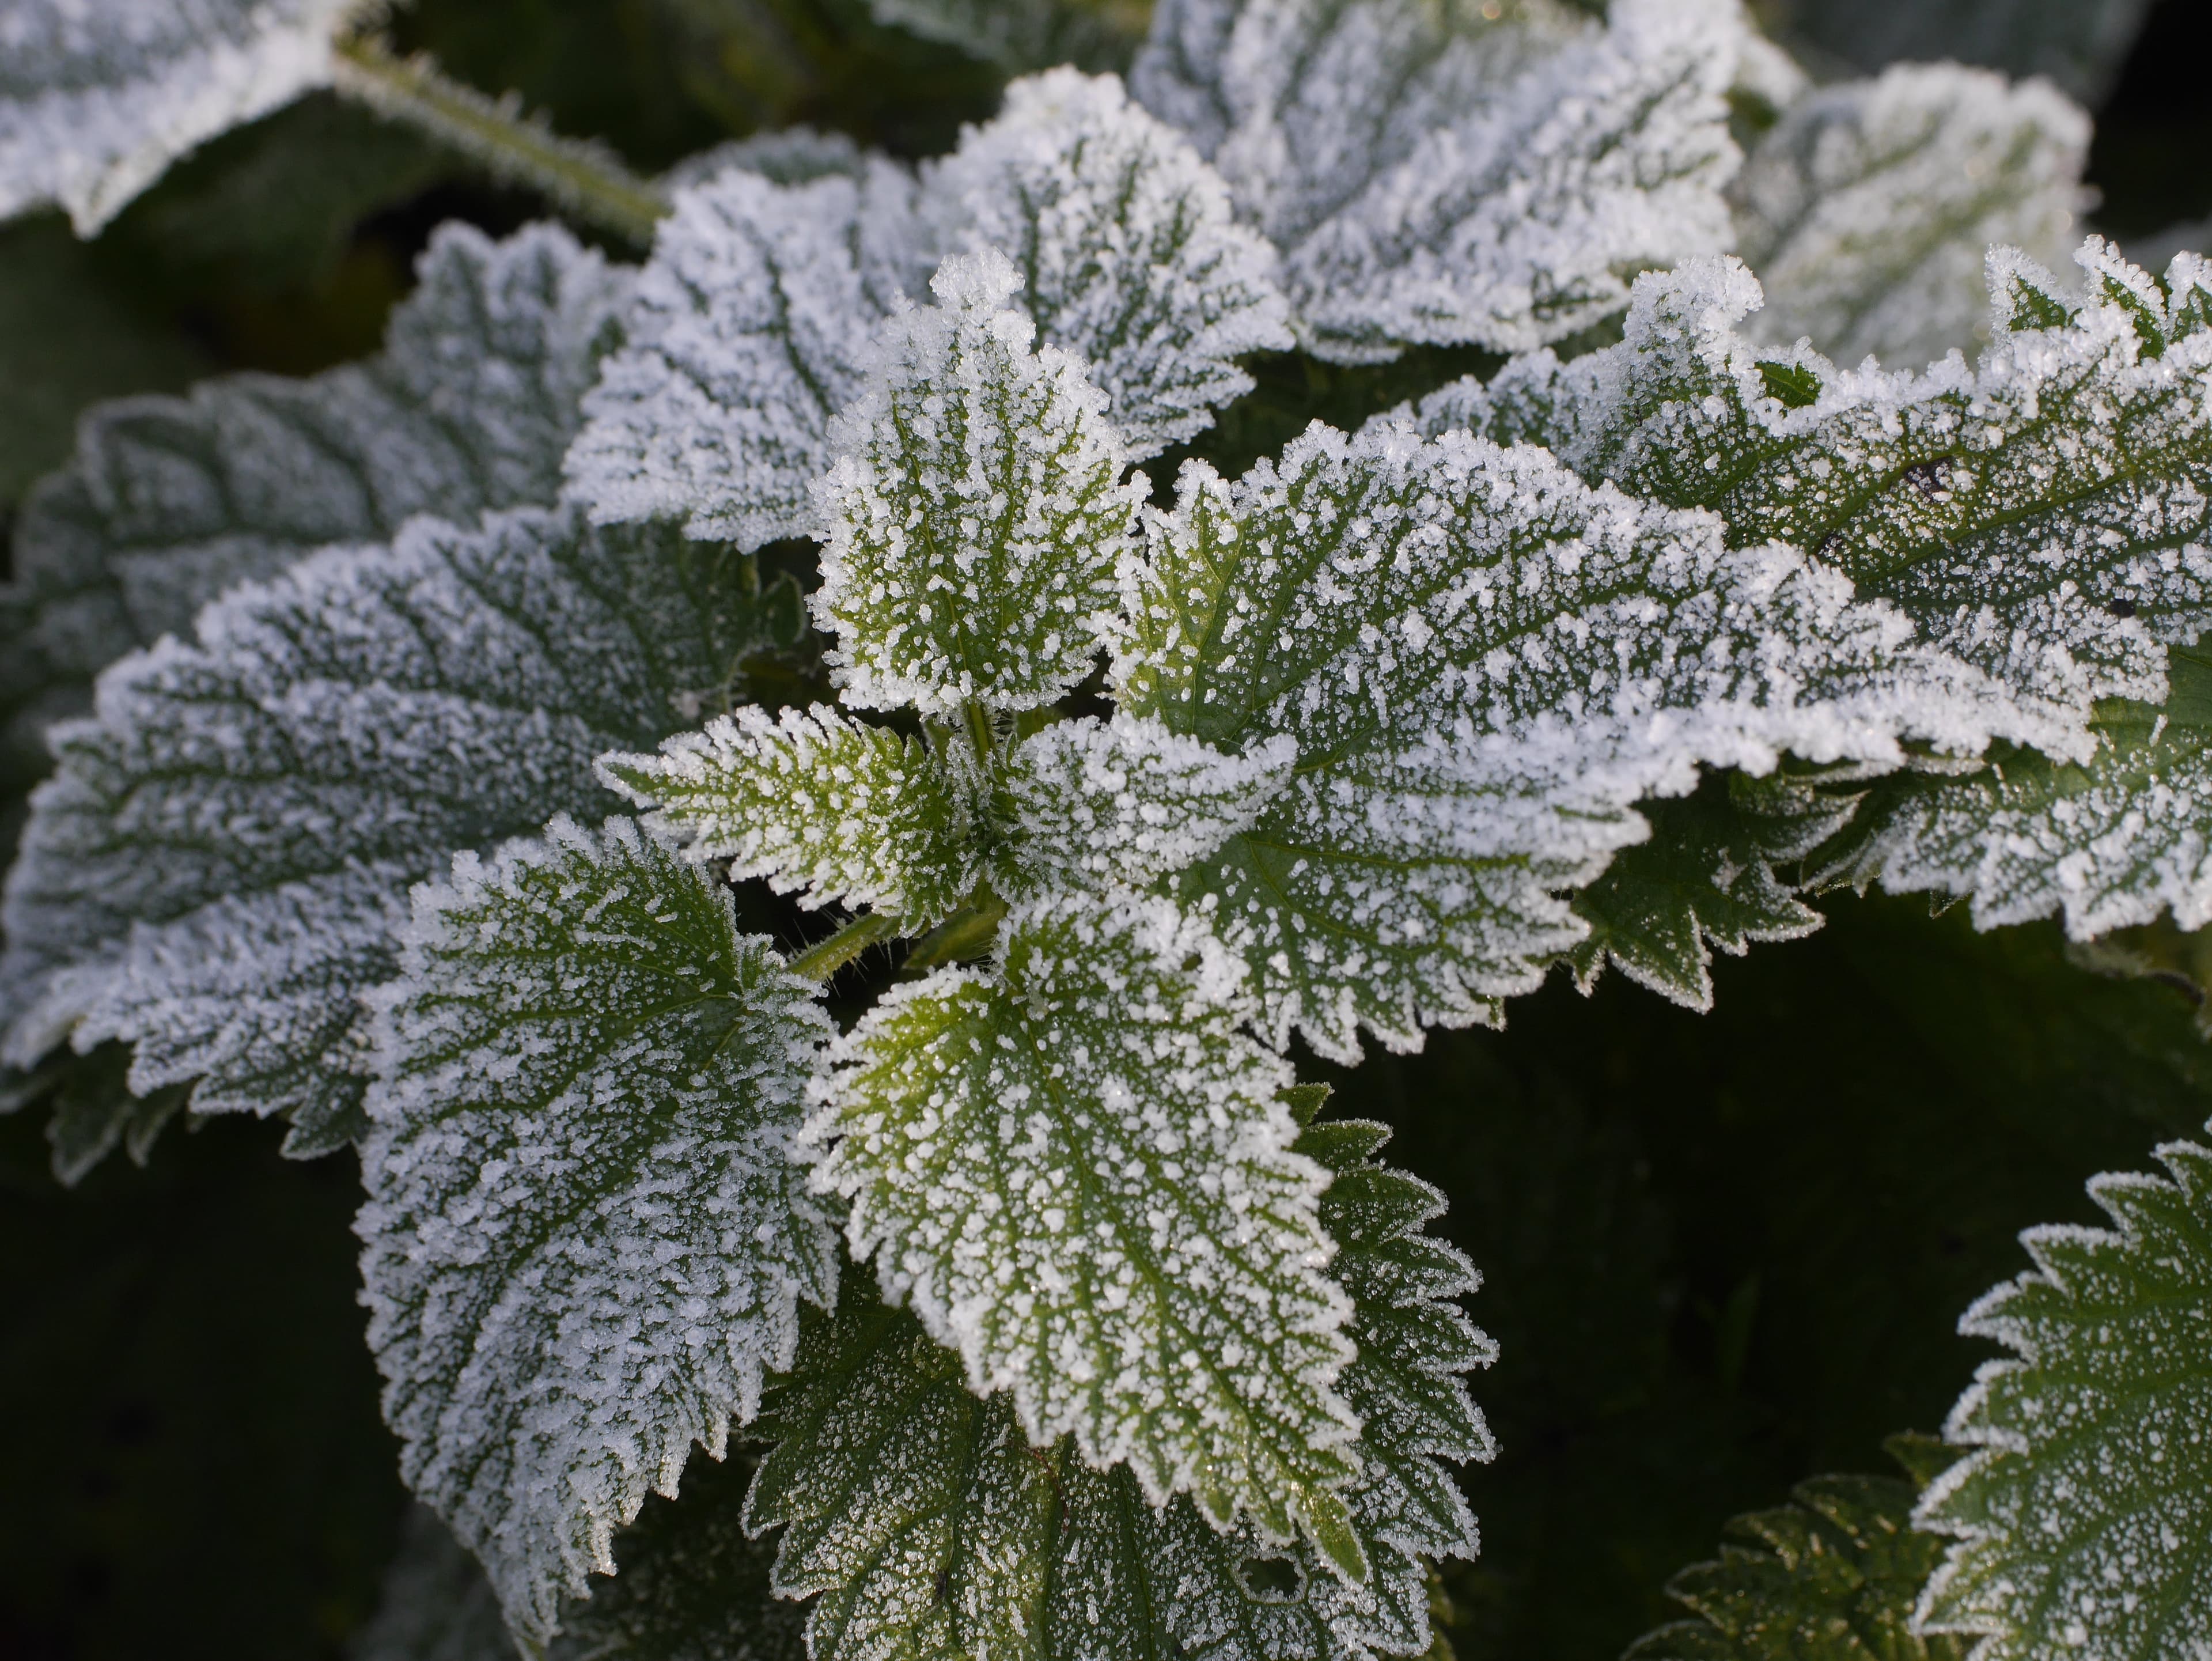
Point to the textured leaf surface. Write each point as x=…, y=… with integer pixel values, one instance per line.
x=1116, y=804
x=819, y=805
x=1077, y=1171
x=1706, y=878
x=750, y=327
x=976, y=511
x=2042, y=516
x=212, y=874
x=1868, y=210
x=2085, y=1511
x=97, y=97
x=1831, y=1577
x=1441, y=174
x=585, y=1238
x=1485, y=664
x=1129, y=257
x=171, y=501
x=2109, y=843
x=930, y=1528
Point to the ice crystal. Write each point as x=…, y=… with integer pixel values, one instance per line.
x=911, y=1508
x=97, y=97
x=2111, y=841
x=976, y=511
x=1076, y=1169
x=585, y=1239
x=2041, y=517
x=1440, y=175
x=750, y=328
x=1128, y=253
x=208, y=875
x=1485, y=664
x=1868, y=209
x=1102, y=806
x=818, y=804
x=168, y=501
x=2085, y=1510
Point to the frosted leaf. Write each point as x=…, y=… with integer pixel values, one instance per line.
x=585, y=1238
x=1868, y=210
x=919, y=1516
x=782, y=156
x=975, y=510
x=1706, y=880
x=1105, y=806
x=2109, y=842
x=208, y=875
x=1020, y=36
x=1124, y=238
x=1440, y=175
x=819, y=805
x=2043, y=517
x=97, y=97
x=2084, y=1513
x=1831, y=1577
x=92, y=1111
x=1076, y=1169
x=750, y=327
x=1485, y=663
x=169, y=501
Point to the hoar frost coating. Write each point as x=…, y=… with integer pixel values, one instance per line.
x=1869, y=209
x=908, y=1507
x=168, y=501
x=201, y=874
x=585, y=1238
x=1102, y=806
x=769, y=283
x=1077, y=1170
x=97, y=97
x=975, y=512
x=1130, y=257
x=2082, y=1511
x=1432, y=175
x=820, y=806
x=1485, y=664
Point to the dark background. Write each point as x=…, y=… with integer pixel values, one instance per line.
x=1724, y=1252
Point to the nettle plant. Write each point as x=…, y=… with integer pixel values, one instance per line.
x=1051, y=1315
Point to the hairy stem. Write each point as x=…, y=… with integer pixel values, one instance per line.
x=825, y=958
x=583, y=179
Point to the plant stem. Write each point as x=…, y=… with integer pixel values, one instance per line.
x=584, y=179
x=825, y=958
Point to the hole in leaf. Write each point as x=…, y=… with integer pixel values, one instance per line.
x=1270, y=1579
x=1792, y=385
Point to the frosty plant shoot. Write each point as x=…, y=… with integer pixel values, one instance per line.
x=428, y=740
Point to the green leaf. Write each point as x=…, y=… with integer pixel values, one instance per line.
x=215, y=871
x=1485, y=665
x=1130, y=257
x=1832, y=1577
x=976, y=511
x=929, y=1528
x=1448, y=174
x=97, y=100
x=1705, y=879
x=1868, y=210
x=819, y=805
x=585, y=1238
x=1077, y=1170
x=170, y=501
x=93, y=1109
x=1116, y=804
x=2042, y=518
x=2111, y=842
x=2081, y=1514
